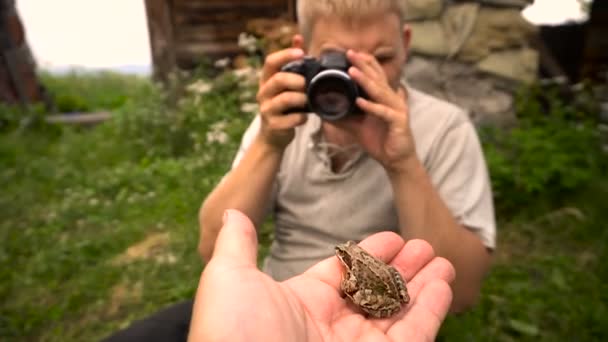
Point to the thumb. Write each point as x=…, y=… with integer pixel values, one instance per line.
x=237, y=239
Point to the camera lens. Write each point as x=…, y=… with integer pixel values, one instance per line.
x=331, y=94
x=330, y=98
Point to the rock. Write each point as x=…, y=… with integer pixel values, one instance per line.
x=520, y=4
x=423, y=9
x=458, y=24
x=470, y=32
x=474, y=54
x=518, y=65
x=428, y=38
x=496, y=29
x=488, y=100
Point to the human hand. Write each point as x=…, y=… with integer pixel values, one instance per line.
x=385, y=132
x=237, y=302
x=278, y=92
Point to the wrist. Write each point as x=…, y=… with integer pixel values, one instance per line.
x=269, y=145
x=407, y=168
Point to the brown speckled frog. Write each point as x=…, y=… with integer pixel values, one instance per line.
x=372, y=285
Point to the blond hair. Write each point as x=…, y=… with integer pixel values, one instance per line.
x=309, y=10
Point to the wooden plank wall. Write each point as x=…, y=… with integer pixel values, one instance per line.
x=182, y=32
x=160, y=31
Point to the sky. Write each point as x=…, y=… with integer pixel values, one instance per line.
x=87, y=33
x=113, y=34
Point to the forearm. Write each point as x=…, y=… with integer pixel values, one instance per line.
x=246, y=188
x=424, y=215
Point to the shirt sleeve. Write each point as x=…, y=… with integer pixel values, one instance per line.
x=246, y=141
x=459, y=172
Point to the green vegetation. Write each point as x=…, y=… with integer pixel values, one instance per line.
x=99, y=226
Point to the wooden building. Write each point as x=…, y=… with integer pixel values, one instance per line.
x=182, y=32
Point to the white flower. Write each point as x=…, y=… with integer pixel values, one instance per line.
x=216, y=134
x=248, y=76
x=243, y=72
x=168, y=258
x=199, y=87
x=219, y=126
x=250, y=107
x=222, y=63
x=217, y=137
x=246, y=95
x=247, y=42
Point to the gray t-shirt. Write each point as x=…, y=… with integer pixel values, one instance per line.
x=315, y=208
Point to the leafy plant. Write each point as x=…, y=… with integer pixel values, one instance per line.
x=103, y=90
x=554, y=150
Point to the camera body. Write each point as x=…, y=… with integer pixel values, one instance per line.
x=330, y=90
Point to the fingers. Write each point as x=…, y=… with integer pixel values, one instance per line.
x=437, y=269
x=419, y=266
x=273, y=111
x=297, y=41
x=281, y=82
x=282, y=102
x=374, y=89
x=383, y=102
x=237, y=239
x=413, y=257
x=275, y=61
x=279, y=92
x=424, y=317
x=383, y=112
x=284, y=122
x=384, y=245
x=367, y=64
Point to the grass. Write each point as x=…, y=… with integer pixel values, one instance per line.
x=99, y=226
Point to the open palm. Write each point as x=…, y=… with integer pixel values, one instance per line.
x=235, y=301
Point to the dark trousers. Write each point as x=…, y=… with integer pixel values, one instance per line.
x=168, y=325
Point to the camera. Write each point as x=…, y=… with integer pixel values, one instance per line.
x=330, y=90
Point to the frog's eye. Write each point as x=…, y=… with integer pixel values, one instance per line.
x=345, y=257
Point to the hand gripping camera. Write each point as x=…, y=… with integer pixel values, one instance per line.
x=330, y=90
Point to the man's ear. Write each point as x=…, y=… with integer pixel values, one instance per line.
x=406, y=35
x=297, y=41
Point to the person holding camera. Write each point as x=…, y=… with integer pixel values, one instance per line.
x=342, y=149
x=376, y=154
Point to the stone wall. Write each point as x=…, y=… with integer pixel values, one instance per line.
x=472, y=53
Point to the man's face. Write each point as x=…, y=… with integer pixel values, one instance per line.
x=381, y=36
